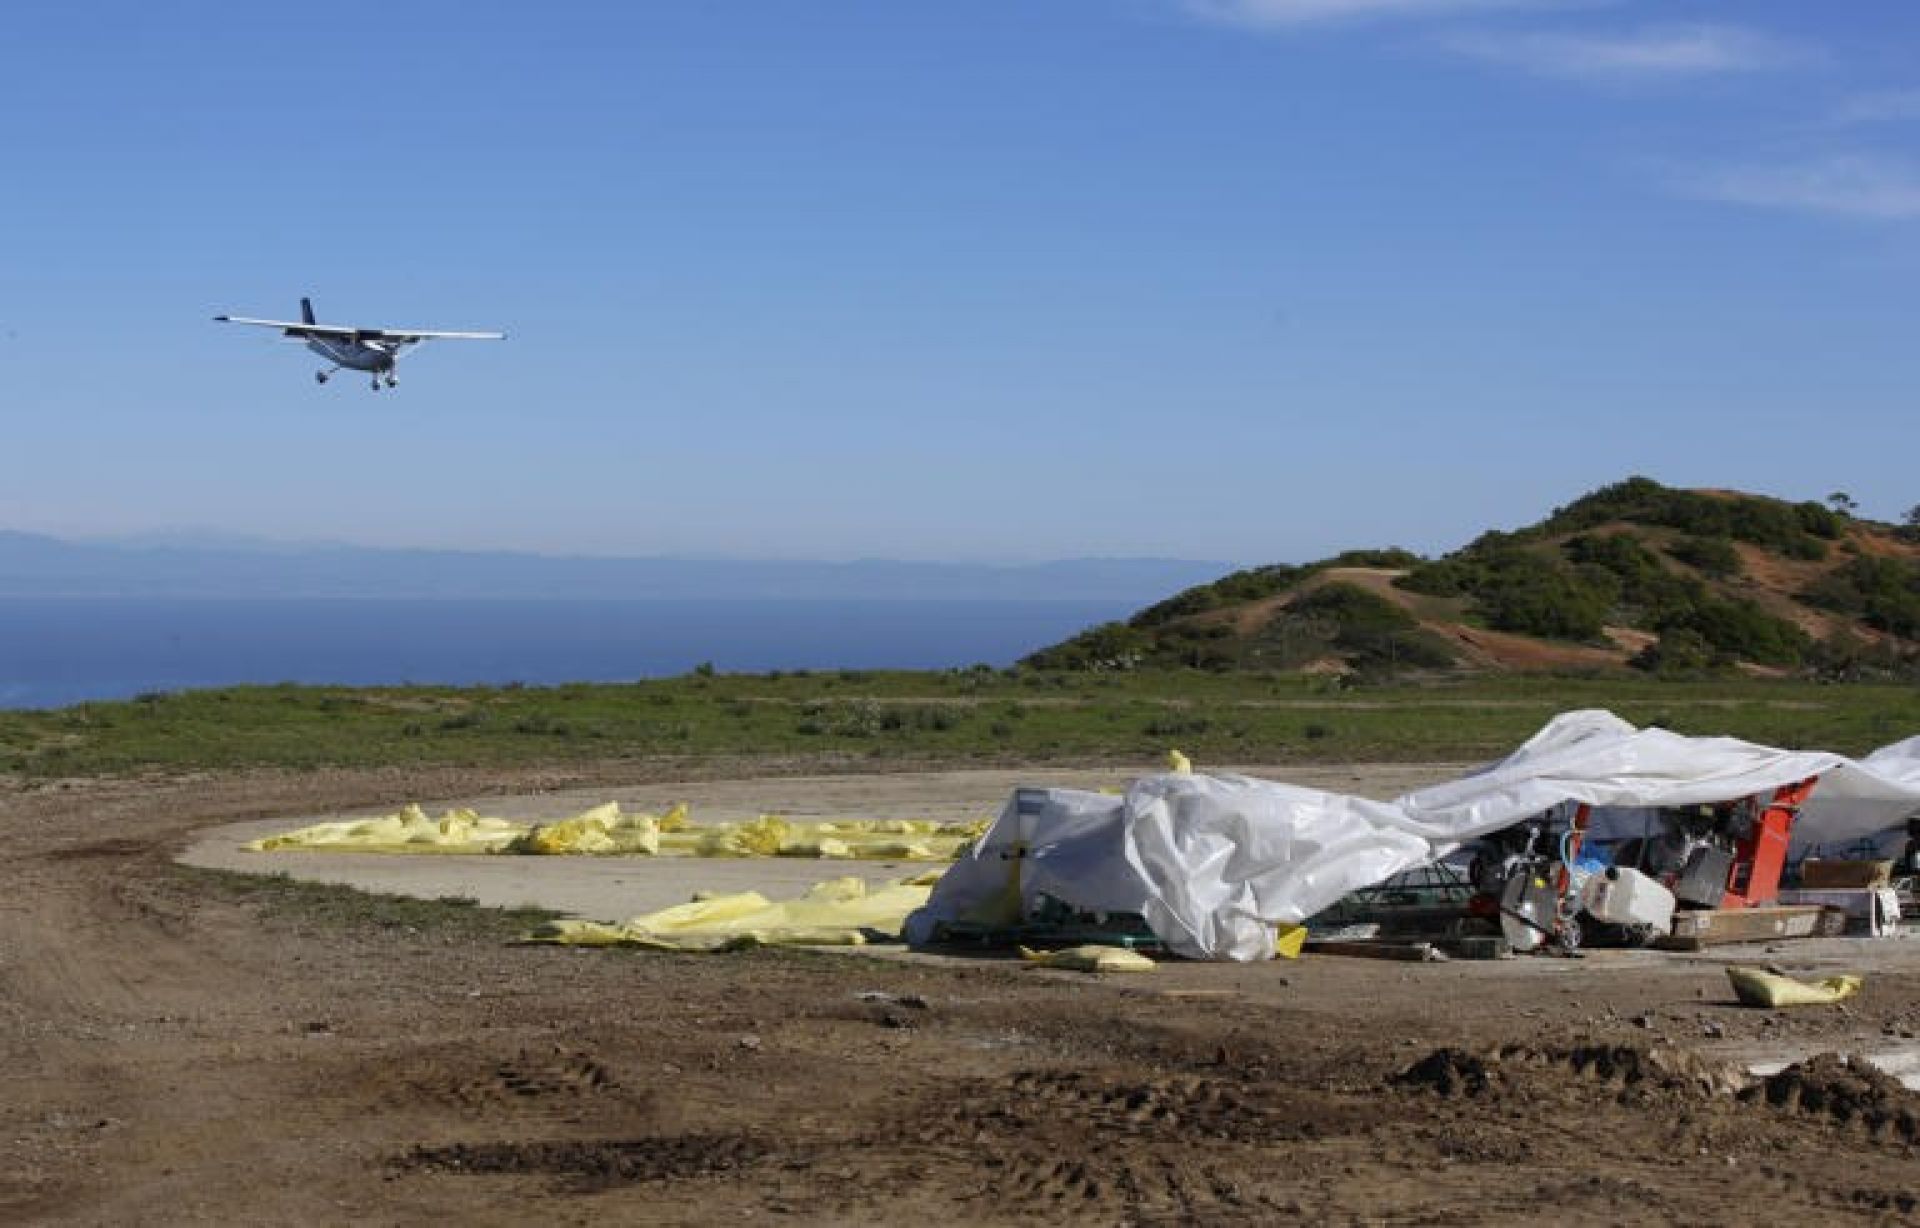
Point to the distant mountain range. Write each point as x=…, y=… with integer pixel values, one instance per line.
x=33, y=565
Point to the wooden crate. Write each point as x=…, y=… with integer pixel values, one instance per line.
x=1712, y=927
x=1822, y=874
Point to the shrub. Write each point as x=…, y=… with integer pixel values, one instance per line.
x=1252, y=584
x=1843, y=657
x=1531, y=593
x=1392, y=557
x=1819, y=521
x=1444, y=578
x=1791, y=529
x=1351, y=607
x=1711, y=555
x=1882, y=592
x=1679, y=653
x=1739, y=628
x=1176, y=726
x=1525, y=589
x=1110, y=646
x=863, y=718
x=1373, y=630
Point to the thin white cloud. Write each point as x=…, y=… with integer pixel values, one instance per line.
x=1650, y=53
x=1291, y=14
x=1867, y=186
x=1890, y=107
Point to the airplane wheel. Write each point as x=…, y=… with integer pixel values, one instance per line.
x=320, y=377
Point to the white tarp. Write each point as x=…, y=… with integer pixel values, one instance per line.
x=1863, y=815
x=1062, y=843
x=1215, y=862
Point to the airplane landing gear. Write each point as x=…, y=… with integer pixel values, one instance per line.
x=393, y=381
x=319, y=377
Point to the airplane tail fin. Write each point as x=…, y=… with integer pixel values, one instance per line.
x=306, y=310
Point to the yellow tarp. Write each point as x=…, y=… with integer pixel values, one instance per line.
x=406, y=831
x=1090, y=959
x=602, y=831
x=1757, y=988
x=839, y=912
x=606, y=831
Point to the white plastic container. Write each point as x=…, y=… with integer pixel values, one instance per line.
x=1624, y=896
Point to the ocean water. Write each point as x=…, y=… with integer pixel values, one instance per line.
x=59, y=651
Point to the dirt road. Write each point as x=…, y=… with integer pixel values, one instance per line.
x=181, y=1049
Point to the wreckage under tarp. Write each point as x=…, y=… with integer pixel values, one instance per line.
x=1214, y=863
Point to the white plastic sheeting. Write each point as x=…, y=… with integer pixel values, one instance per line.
x=1214, y=863
x=1597, y=758
x=1836, y=823
x=1063, y=843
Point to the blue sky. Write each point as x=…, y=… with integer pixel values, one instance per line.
x=1249, y=280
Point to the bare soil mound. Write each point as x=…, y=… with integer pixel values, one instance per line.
x=1846, y=1090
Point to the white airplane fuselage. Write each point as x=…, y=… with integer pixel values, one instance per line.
x=354, y=355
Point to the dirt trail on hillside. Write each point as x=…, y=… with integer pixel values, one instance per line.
x=172, y=1051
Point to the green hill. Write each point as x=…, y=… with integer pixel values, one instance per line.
x=1632, y=577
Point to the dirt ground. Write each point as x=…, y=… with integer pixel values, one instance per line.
x=175, y=1051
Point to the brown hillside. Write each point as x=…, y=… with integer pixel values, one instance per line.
x=1497, y=651
x=1739, y=581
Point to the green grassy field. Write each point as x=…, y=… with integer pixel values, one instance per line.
x=961, y=716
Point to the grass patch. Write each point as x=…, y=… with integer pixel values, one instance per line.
x=282, y=898
x=955, y=717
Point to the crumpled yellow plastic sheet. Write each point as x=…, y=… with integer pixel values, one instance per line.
x=1090, y=959
x=1755, y=987
x=409, y=830
x=839, y=912
x=603, y=831
x=607, y=831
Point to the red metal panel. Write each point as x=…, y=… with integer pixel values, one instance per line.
x=1761, y=855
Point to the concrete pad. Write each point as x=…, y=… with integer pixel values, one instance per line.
x=616, y=888
x=596, y=888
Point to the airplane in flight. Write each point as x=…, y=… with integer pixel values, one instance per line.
x=374, y=350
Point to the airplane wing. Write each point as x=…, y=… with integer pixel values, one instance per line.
x=410, y=336
x=395, y=336
x=292, y=326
